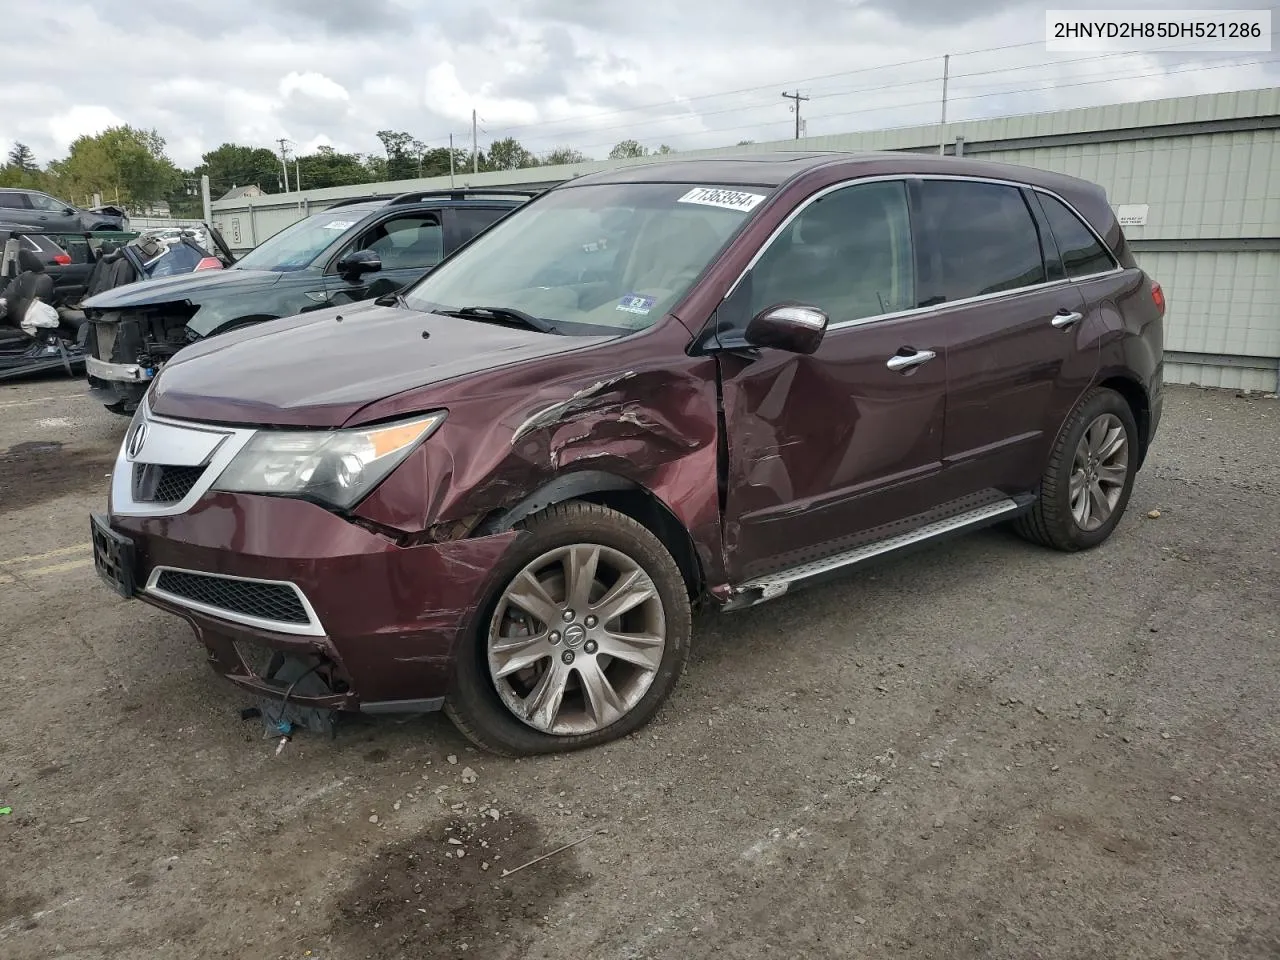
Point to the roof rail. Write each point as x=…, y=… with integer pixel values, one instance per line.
x=367, y=198
x=461, y=193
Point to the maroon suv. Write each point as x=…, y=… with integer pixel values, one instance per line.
x=502, y=492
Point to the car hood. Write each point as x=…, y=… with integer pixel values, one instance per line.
x=187, y=286
x=319, y=369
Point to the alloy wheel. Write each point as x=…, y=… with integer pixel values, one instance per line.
x=1099, y=472
x=576, y=639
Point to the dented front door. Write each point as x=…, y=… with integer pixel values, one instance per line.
x=829, y=448
x=824, y=449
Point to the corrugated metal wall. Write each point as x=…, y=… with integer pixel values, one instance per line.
x=1207, y=168
x=1223, y=186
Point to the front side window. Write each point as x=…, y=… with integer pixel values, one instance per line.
x=600, y=258
x=297, y=246
x=414, y=242
x=849, y=253
x=48, y=204
x=984, y=239
x=1082, y=254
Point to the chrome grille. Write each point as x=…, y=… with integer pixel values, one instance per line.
x=278, y=602
x=157, y=483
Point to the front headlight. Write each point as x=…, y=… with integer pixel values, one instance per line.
x=337, y=467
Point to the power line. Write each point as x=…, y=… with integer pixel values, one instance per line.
x=997, y=93
x=876, y=88
x=766, y=86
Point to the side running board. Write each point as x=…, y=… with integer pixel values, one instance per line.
x=774, y=585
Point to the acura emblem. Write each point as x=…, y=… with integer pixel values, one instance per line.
x=136, y=440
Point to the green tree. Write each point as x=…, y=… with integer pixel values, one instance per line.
x=664, y=149
x=563, y=155
x=402, y=162
x=124, y=164
x=21, y=157
x=234, y=165
x=627, y=149
x=508, y=154
x=329, y=168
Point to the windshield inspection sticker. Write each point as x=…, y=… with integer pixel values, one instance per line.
x=728, y=199
x=339, y=224
x=634, y=303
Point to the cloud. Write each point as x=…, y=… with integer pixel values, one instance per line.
x=577, y=73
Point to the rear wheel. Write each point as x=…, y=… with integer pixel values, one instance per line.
x=1086, y=486
x=581, y=640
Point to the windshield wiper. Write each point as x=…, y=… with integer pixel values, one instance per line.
x=508, y=314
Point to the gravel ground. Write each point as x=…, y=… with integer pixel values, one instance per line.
x=984, y=750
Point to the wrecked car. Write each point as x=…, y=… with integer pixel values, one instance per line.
x=503, y=492
x=362, y=248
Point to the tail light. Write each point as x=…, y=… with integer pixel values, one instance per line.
x=1157, y=296
x=209, y=263
x=62, y=259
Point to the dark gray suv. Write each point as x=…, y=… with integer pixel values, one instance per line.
x=31, y=208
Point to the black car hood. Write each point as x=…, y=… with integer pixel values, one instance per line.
x=320, y=368
x=187, y=286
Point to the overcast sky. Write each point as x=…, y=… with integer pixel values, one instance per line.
x=582, y=73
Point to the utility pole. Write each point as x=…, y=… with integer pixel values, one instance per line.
x=475, y=151
x=205, y=200
x=795, y=107
x=451, y=161
x=942, y=127
x=284, y=164
x=297, y=174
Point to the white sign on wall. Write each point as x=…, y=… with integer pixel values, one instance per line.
x=1132, y=214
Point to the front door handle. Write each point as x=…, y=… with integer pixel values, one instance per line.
x=900, y=362
x=1064, y=320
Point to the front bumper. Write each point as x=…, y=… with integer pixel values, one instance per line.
x=385, y=620
x=117, y=372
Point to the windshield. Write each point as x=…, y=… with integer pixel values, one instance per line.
x=615, y=256
x=296, y=246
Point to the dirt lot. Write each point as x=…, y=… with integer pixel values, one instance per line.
x=987, y=750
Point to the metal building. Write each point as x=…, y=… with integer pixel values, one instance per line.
x=1196, y=181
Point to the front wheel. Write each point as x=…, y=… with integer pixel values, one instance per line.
x=582, y=638
x=1086, y=486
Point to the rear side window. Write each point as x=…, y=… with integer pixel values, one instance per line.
x=1082, y=254
x=471, y=220
x=15, y=201
x=984, y=240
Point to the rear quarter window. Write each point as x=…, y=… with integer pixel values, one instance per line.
x=1082, y=254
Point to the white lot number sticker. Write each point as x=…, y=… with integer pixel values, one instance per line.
x=339, y=224
x=728, y=199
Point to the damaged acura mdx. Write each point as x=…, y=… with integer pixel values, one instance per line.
x=502, y=493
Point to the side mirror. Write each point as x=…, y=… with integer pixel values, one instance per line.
x=359, y=262
x=793, y=327
x=69, y=210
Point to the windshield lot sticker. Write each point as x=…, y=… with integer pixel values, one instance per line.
x=339, y=224
x=634, y=303
x=728, y=199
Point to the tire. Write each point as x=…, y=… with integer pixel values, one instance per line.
x=484, y=706
x=1052, y=521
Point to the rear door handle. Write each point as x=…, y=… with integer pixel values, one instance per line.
x=900, y=362
x=1064, y=320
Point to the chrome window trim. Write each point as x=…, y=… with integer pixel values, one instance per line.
x=311, y=629
x=122, y=502
x=919, y=311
